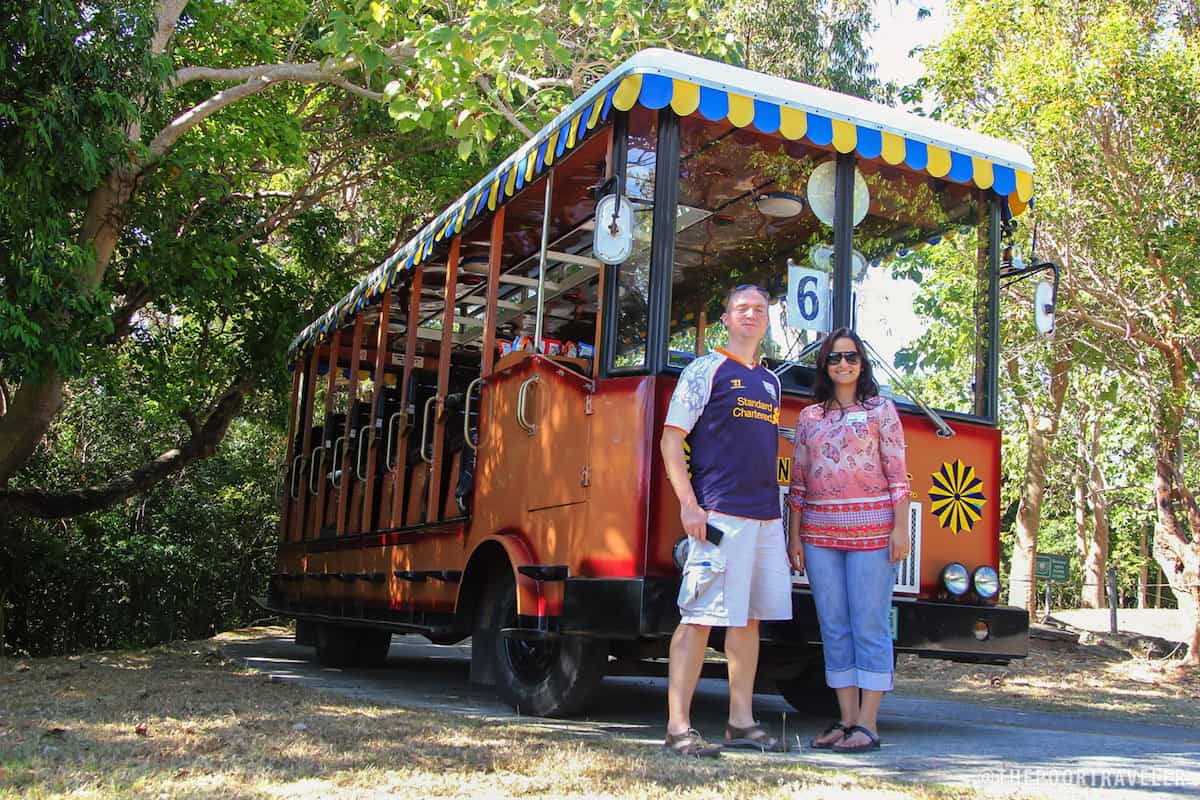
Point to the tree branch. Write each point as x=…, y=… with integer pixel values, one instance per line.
x=483, y=83
x=201, y=445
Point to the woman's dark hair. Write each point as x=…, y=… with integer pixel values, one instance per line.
x=866, y=388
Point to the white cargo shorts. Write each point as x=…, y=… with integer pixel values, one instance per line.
x=745, y=577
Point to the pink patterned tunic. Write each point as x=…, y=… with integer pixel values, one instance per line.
x=848, y=473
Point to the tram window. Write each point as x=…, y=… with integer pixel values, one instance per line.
x=633, y=277
x=921, y=294
x=742, y=218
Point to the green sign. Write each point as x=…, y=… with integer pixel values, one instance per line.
x=1053, y=567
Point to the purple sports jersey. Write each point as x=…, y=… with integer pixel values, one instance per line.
x=730, y=411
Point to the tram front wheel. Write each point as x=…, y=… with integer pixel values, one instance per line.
x=544, y=678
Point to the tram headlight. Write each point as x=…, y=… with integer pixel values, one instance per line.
x=986, y=581
x=956, y=579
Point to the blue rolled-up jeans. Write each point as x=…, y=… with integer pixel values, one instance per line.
x=852, y=590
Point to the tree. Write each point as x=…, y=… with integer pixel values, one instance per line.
x=1107, y=96
x=821, y=42
x=165, y=162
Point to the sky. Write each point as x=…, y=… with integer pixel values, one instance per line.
x=899, y=32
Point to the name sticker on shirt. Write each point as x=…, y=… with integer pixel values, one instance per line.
x=856, y=416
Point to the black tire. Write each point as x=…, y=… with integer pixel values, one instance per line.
x=306, y=633
x=807, y=691
x=372, y=648
x=554, y=678
x=336, y=646
x=342, y=647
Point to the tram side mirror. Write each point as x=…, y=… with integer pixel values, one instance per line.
x=612, y=240
x=1043, y=307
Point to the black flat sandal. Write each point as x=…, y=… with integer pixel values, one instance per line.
x=837, y=726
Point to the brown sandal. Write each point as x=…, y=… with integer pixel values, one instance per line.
x=691, y=744
x=753, y=738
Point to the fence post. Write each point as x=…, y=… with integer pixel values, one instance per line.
x=1112, y=600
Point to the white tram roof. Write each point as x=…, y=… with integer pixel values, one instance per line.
x=656, y=78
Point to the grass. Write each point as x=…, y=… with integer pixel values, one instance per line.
x=181, y=721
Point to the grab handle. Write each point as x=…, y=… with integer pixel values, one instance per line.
x=522, y=398
x=336, y=474
x=467, y=414
x=315, y=467
x=428, y=459
x=293, y=487
x=391, y=440
x=365, y=435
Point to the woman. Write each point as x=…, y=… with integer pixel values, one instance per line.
x=848, y=528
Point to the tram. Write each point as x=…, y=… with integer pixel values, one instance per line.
x=473, y=444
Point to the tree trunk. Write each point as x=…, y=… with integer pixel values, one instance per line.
x=1096, y=556
x=1176, y=553
x=202, y=444
x=1022, y=581
x=1082, y=540
x=33, y=407
x=1143, y=569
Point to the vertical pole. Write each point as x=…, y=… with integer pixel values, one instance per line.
x=348, y=446
x=701, y=333
x=1047, y=601
x=443, y=384
x=541, y=285
x=1113, y=600
x=496, y=245
x=411, y=324
x=843, y=240
x=988, y=405
x=377, y=422
x=662, y=240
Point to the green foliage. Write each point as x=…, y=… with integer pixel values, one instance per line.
x=70, y=77
x=183, y=561
x=815, y=41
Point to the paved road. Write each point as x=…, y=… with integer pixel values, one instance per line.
x=999, y=752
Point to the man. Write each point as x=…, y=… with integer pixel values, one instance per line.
x=727, y=405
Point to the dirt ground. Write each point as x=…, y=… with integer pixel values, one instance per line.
x=1064, y=676
x=182, y=721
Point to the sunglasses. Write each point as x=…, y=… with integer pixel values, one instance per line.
x=851, y=356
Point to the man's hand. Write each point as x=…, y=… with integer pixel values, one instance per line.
x=898, y=544
x=796, y=552
x=694, y=519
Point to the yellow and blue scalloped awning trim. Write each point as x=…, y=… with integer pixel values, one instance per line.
x=640, y=82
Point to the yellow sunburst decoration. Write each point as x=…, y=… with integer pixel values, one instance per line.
x=956, y=497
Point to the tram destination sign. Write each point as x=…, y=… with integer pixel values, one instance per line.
x=1053, y=567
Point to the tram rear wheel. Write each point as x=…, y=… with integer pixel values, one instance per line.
x=807, y=691
x=543, y=678
x=341, y=646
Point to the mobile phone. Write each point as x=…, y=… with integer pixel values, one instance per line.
x=713, y=533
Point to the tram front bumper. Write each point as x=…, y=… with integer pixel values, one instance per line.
x=633, y=608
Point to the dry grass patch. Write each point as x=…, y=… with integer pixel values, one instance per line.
x=181, y=721
x=1064, y=677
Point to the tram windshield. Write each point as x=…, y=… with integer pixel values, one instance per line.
x=761, y=210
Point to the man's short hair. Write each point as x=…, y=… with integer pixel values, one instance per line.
x=741, y=287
